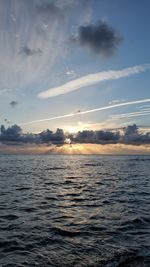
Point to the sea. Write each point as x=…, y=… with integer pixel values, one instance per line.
x=74, y=211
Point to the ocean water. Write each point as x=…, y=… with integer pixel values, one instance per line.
x=75, y=211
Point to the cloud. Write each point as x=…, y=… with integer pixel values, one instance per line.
x=30, y=52
x=55, y=138
x=70, y=72
x=131, y=114
x=92, y=79
x=116, y=101
x=13, y=104
x=100, y=38
x=10, y=134
x=131, y=130
x=130, y=135
x=14, y=134
x=97, y=137
x=33, y=31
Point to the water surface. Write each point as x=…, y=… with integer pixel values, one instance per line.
x=75, y=211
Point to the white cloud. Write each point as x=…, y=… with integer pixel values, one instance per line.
x=115, y=101
x=92, y=79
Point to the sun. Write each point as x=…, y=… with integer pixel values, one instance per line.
x=68, y=141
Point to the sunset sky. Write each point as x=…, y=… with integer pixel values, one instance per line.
x=67, y=57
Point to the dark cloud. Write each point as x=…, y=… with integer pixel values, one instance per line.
x=30, y=52
x=97, y=137
x=55, y=138
x=131, y=130
x=13, y=104
x=15, y=134
x=11, y=134
x=107, y=137
x=131, y=135
x=100, y=38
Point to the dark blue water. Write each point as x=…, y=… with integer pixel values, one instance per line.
x=75, y=211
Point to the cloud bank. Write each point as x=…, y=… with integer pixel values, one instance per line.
x=15, y=135
x=92, y=79
x=129, y=135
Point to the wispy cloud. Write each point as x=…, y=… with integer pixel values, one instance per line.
x=34, y=41
x=132, y=114
x=93, y=79
x=116, y=101
x=88, y=111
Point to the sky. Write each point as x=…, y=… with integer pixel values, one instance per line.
x=76, y=65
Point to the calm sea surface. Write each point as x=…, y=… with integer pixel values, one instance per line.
x=75, y=211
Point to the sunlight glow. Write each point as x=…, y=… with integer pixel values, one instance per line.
x=78, y=149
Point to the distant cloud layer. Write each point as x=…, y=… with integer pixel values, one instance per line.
x=100, y=38
x=129, y=135
x=92, y=79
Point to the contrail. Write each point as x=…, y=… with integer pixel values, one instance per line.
x=88, y=111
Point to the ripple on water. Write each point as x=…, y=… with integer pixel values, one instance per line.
x=9, y=217
x=74, y=211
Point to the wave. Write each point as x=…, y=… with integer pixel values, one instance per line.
x=84, y=212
